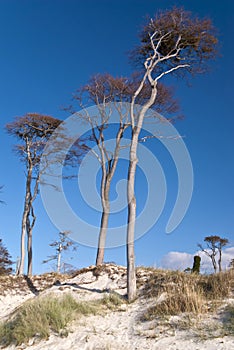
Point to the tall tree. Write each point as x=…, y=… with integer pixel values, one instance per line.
x=215, y=246
x=33, y=131
x=173, y=42
x=5, y=260
x=100, y=91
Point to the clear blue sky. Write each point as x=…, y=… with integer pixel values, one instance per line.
x=49, y=48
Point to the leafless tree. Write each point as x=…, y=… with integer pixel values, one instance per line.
x=173, y=42
x=63, y=244
x=100, y=91
x=215, y=245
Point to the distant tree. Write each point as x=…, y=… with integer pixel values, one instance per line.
x=215, y=245
x=5, y=260
x=63, y=244
x=1, y=201
x=196, y=264
x=33, y=131
x=174, y=42
x=100, y=90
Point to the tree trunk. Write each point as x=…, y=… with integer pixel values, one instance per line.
x=26, y=213
x=102, y=238
x=29, y=272
x=131, y=276
x=59, y=258
x=220, y=260
x=214, y=263
x=104, y=225
x=22, y=242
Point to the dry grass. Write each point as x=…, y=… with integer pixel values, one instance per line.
x=184, y=293
x=22, y=283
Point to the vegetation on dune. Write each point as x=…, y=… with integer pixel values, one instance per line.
x=185, y=293
x=40, y=317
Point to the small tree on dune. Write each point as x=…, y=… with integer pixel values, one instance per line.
x=64, y=243
x=5, y=260
x=215, y=246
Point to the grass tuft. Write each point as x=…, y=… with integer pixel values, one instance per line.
x=185, y=293
x=38, y=318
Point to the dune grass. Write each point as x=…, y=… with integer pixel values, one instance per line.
x=185, y=293
x=39, y=317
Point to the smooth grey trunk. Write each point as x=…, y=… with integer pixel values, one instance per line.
x=30, y=225
x=60, y=248
x=131, y=274
x=26, y=211
x=107, y=175
x=220, y=260
x=214, y=263
x=22, y=242
x=27, y=226
x=29, y=272
x=104, y=225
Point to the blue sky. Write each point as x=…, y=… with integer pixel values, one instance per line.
x=49, y=48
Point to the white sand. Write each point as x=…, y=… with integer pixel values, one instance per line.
x=117, y=330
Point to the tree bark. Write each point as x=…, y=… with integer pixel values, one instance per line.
x=26, y=212
x=131, y=275
x=29, y=272
x=220, y=260
x=214, y=263
x=107, y=175
x=104, y=224
x=22, y=242
x=60, y=248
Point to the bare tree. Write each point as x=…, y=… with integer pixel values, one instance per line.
x=174, y=42
x=100, y=90
x=32, y=130
x=215, y=245
x=63, y=244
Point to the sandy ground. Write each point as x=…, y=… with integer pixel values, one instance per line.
x=115, y=330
